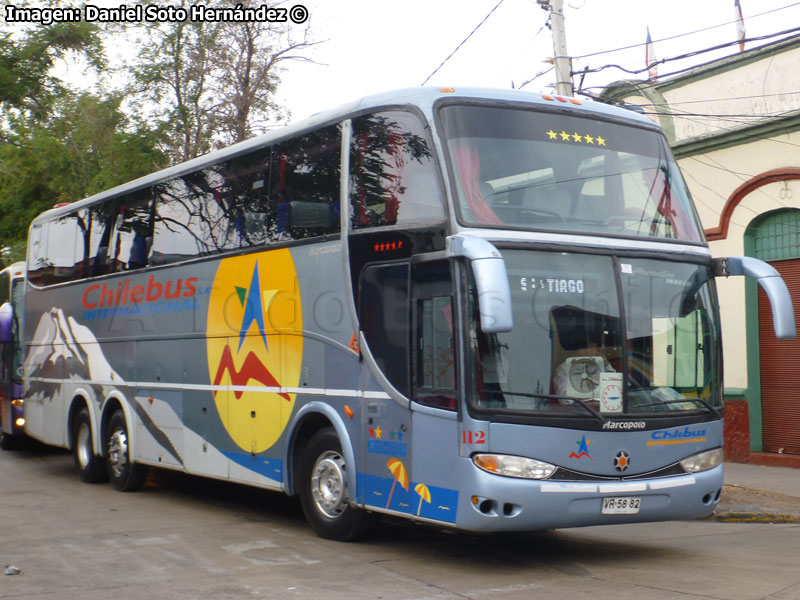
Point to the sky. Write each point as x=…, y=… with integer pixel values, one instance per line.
x=369, y=46
x=373, y=46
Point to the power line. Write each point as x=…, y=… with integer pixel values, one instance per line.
x=464, y=41
x=724, y=99
x=741, y=177
x=684, y=34
x=535, y=35
x=535, y=77
x=683, y=56
x=720, y=116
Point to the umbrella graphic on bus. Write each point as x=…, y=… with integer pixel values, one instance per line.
x=424, y=494
x=399, y=473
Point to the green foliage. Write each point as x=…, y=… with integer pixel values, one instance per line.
x=86, y=149
x=26, y=84
x=210, y=84
x=194, y=86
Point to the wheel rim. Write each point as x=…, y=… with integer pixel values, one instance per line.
x=118, y=452
x=329, y=484
x=84, y=445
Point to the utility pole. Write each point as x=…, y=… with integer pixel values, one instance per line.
x=561, y=59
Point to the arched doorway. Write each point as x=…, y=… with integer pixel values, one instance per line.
x=775, y=238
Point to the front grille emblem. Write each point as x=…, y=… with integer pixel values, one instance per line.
x=622, y=461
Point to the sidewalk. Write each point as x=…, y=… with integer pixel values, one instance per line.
x=755, y=493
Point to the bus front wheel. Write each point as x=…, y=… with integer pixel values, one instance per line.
x=324, y=494
x=89, y=465
x=125, y=475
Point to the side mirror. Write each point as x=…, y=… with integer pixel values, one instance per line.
x=489, y=268
x=771, y=282
x=6, y=319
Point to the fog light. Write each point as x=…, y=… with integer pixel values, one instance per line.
x=703, y=461
x=514, y=466
x=20, y=422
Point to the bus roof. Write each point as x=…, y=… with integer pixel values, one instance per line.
x=423, y=98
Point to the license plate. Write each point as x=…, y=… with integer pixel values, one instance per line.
x=621, y=506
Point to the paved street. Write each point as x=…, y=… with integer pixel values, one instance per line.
x=184, y=537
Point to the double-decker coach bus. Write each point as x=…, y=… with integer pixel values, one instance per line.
x=493, y=310
x=12, y=290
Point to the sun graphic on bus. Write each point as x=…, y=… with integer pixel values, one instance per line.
x=254, y=345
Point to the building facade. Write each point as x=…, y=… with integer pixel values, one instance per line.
x=734, y=126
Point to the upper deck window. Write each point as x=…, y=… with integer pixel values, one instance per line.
x=280, y=193
x=526, y=169
x=393, y=177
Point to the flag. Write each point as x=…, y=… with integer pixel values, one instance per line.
x=650, y=57
x=739, y=24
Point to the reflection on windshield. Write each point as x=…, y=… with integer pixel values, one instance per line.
x=536, y=170
x=574, y=350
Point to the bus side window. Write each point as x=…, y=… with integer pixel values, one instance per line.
x=133, y=232
x=434, y=357
x=384, y=319
x=393, y=178
x=64, y=252
x=99, y=226
x=190, y=219
x=250, y=211
x=36, y=255
x=304, y=190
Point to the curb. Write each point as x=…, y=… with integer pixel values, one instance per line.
x=734, y=516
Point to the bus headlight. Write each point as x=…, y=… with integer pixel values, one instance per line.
x=703, y=461
x=17, y=402
x=514, y=466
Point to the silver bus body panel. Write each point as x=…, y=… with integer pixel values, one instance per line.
x=176, y=360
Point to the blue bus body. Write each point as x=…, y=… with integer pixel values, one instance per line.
x=493, y=310
x=12, y=420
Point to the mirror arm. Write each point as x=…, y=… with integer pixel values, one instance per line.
x=773, y=285
x=491, y=280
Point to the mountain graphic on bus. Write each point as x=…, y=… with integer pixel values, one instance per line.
x=254, y=346
x=65, y=353
x=252, y=370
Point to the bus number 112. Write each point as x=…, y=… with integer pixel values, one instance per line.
x=473, y=437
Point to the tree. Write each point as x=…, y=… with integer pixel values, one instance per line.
x=213, y=83
x=27, y=87
x=89, y=147
x=170, y=82
x=248, y=60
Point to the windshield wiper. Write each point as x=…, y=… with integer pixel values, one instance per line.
x=711, y=409
x=577, y=401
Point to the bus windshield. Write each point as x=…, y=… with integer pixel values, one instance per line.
x=579, y=347
x=528, y=169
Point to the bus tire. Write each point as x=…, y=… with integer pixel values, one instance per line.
x=7, y=441
x=90, y=467
x=324, y=495
x=125, y=475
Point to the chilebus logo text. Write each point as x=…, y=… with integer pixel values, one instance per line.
x=254, y=345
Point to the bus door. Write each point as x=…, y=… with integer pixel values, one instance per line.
x=432, y=488
x=384, y=318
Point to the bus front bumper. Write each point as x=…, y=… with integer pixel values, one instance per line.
x=507, y=504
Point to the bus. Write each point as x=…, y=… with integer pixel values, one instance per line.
x=490, y=310
x=12, y=290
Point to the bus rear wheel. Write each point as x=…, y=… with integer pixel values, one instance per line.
x=324, y=493
x=125, y=475
x=7, y=441
x=90, y=466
